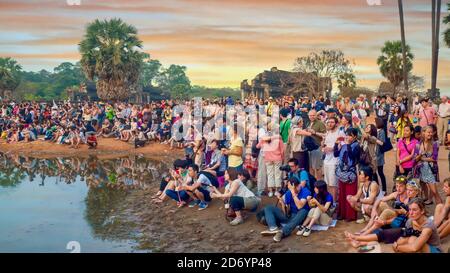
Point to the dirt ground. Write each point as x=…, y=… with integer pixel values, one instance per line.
x=164, y=228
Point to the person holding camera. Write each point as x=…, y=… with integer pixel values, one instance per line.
x=237, y=195
x=294, y=210
x=424, y=236
x=386, y=216
x=293, y=170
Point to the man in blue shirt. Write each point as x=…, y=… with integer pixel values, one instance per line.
x=295, y=209
x=298, y=173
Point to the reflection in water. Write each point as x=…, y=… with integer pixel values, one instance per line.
x=101, y=185
x=120, y=173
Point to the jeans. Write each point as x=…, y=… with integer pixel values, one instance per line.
x=183, y=195
x=275, y=215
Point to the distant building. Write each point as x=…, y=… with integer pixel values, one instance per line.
x=276, y=83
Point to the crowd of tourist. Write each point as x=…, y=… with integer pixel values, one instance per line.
x=318, y=159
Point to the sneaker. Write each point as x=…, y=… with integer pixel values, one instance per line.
x=278, y=236
x=307, y=232
x=366, y=218
x=202, y=205
x=194, y=203
x=270, y=231
x=237, y=221
x=270, y=194
x=301, y=230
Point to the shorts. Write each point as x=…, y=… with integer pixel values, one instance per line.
x=434, y=249
x=205, y=193
x=329, y=173
x=322, y=219
x=316, y=159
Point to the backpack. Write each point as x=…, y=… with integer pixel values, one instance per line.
x=365, y=158
x=309, y=144
x=311, y=182
x=387, y=146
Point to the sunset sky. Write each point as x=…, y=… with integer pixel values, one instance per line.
x=223, y=42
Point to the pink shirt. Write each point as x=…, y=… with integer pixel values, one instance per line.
x=406, y=150
x=273, y=151
x=427, y=116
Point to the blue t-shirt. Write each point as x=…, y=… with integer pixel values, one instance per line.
x=303, y=194
x=328, y=198
x=320, y=106
x=302, y=177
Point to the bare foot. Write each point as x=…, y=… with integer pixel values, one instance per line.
x=355, y=243
x=348, y=235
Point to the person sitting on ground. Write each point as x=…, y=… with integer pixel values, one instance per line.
x=297, y=172
x=197, y=188
x=140, y=140
x=239, y=196
x=393, y=217
x=294, y=210
x=178, y=176
x=74, y=137
x=421, y=232
x=389, y=232
x=92, y=140
x=321, y=209
x=442, y=212
x=369, y=191
x=218, y=163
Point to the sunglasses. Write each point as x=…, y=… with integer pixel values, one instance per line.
x=413, y=183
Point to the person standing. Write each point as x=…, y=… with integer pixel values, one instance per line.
x=382, y=111
x=317, y=128
x=348, y=154
x=427, y=115
x=330, y=161
x=443, y=119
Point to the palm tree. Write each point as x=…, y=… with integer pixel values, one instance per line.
x=391, y=62
x=447, y=32
x=10, y=75
x=110, y=55
x=436, y=23
x=402, y=30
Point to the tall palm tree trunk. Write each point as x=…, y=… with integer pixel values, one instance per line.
x=402, y=29
x=433, y=43
x=436, y=31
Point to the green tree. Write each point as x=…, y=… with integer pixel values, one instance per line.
x=346, y=80
x=327, y=63
x=447, y=32
x=10, y=75
x=110, y=55
x=151, y=69
x=173, y=76
x=391, y=62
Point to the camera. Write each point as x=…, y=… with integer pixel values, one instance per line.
x=399, y=205
x=285, y=168
x=408, y=232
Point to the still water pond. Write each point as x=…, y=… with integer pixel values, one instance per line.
x=47, y=203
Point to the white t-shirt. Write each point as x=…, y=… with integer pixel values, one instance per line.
x=330, y=140
x=242, y=190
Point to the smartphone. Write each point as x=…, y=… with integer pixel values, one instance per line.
x=365, y=249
